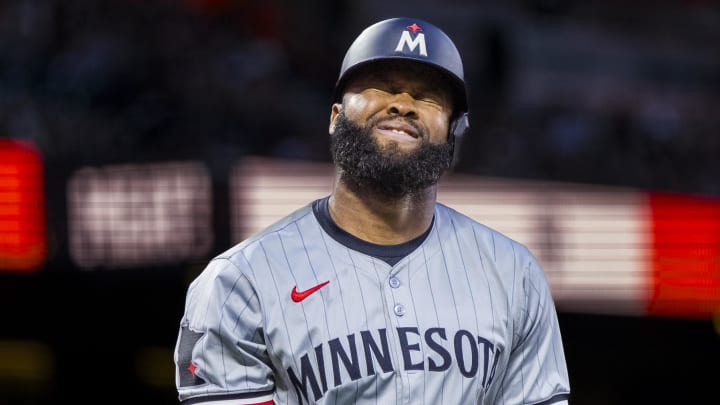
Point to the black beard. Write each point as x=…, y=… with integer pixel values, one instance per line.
x=388, y=172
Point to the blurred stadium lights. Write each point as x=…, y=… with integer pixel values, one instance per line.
x=22, y=207
x=262, y=191
x=139, y=214
x=606, y=250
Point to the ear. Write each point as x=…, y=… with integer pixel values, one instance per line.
x=336, y=108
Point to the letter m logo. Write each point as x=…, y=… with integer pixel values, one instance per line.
x=412, y=43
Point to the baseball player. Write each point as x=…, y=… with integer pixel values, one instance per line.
x=377, y=293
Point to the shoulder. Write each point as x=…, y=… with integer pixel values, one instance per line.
x=499, y=246
x=507, y=260
x=238, y=261
x=289, y=226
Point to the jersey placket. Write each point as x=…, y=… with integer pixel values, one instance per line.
x=401, y=315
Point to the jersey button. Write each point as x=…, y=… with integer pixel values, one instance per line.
x=394, y=282
x=399, y=309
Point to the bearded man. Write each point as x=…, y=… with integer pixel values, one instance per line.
x=378, y=293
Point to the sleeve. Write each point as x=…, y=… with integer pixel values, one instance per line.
x=536, y=372
x=221, y=353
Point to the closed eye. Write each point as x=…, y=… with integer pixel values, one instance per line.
x=434, y=102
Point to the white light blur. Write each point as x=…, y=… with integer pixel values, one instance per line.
x=139, y=214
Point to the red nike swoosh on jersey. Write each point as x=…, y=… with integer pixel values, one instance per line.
x=298, y=296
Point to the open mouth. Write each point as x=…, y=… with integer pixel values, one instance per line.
x=398, y=129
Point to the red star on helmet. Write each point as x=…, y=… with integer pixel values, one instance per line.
x=414, y=28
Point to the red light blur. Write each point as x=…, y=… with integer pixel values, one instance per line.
x=22, y=209
x=686, y=256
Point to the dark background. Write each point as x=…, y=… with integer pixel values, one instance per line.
x=596, y=92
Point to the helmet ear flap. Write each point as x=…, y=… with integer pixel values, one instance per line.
x=458, y=127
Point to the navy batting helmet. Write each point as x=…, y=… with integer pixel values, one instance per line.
x=414, y=40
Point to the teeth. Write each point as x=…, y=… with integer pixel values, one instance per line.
x=397, y=131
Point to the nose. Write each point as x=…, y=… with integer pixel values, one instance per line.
x=402, y=104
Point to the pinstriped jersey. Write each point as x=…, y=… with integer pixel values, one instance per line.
x=303, y=313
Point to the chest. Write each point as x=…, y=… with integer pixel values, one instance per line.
x=344, y=319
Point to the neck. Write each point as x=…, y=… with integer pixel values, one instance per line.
x=380, y=219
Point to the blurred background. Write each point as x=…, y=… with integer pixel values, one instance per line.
x=139, y=138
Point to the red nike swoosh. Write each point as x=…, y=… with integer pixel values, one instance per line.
x=298, y=296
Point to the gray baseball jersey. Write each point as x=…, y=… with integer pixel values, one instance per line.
x=304, y=312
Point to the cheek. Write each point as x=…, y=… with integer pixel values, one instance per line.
x=438, y=125
x=356, y=106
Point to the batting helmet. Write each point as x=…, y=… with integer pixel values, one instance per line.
x=413, y=40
